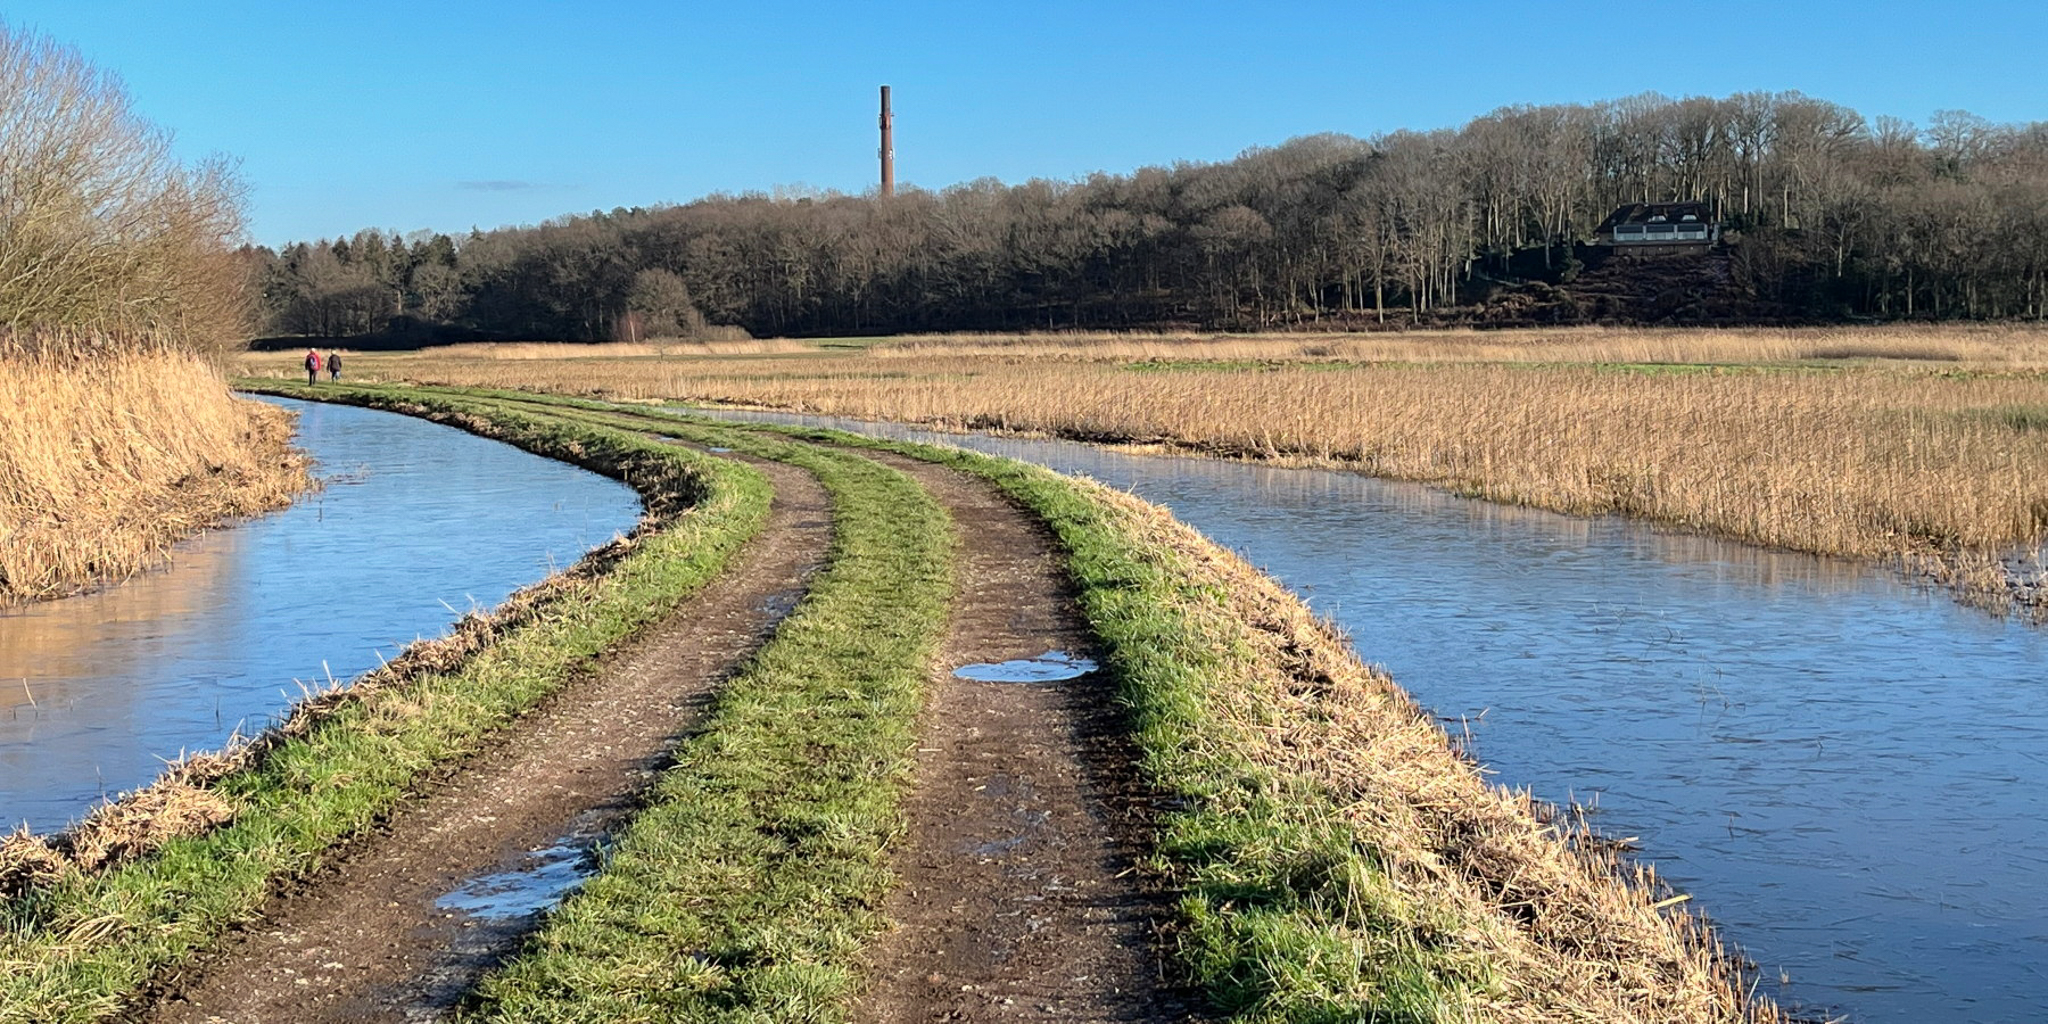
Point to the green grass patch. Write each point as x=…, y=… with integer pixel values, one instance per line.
x=77, y=950
x=1211, y=365
x=854, y=343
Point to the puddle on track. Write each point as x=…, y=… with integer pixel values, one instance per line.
x=417, y=524
x=1050, y=667
x=778, y=605
x=1845, y=770
x=542, y=879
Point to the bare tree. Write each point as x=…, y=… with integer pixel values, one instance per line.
x=661, y=301
x=101, y=227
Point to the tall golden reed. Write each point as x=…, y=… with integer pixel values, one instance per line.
x=104, y=462
x=2005, y=346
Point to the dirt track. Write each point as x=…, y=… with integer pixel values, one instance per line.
x=1018, y=900
x=365, y=941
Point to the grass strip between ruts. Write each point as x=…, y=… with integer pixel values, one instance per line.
x=1284, y=915
x=79, y=949
x=748, y=883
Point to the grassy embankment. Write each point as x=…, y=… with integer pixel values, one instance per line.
x=1335, y=858
x=91, y=921
x=107, y=459
x=1913, y=446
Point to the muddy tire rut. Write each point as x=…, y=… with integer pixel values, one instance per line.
x=365, y=940
x=1018, y=898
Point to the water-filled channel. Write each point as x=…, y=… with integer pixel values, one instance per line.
x=417, y=523
x=1846, y=771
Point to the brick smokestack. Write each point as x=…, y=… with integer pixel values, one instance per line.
x=888, y=147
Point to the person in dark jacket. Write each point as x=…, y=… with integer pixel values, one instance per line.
x=333, y=366
x=312, y=367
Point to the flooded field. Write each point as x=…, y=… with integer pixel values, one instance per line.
x=417, y=524
x=1845, y=770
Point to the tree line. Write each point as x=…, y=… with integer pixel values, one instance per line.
x=1830, y=215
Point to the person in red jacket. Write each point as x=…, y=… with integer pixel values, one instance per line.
x=312, y=366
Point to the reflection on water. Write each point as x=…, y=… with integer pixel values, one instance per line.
x=58, y=642
x=418, y=523
x=1050, y=667
x=1846, y=770
x=542, y=879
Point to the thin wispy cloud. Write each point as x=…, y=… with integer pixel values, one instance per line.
x=497, y=186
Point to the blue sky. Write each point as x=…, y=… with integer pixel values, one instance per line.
x=428, y=114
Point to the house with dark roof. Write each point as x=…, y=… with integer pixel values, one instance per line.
x=1659, y=227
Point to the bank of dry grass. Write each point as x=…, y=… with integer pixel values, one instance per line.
x=530, y=350
x=1991, y=345
x=1857, y=464
x=118, y=279
x=1920, y=445
x=107, y=458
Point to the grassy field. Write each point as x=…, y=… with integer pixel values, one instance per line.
x=104, y=462
x=1920, y=446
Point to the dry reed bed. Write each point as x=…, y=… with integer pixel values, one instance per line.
x=1850, y=464
x=521, y=350
x=2011, y=346
x=1941, y=466
x=1550, y=923
x=107, y=459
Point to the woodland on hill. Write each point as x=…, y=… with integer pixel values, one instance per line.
x=1830, y=215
